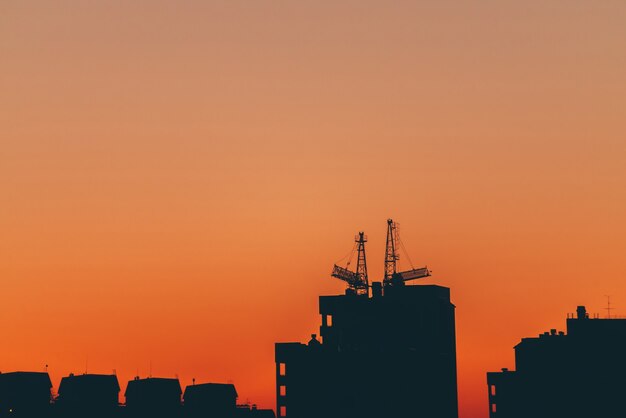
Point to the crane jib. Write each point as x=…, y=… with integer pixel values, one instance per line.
x=414, y=274
x=345, y=274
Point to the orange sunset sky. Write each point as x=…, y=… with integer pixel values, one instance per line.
x=177, y=178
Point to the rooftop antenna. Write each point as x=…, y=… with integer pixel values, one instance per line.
x=608, y=306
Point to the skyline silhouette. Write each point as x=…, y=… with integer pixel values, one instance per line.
x=370, y=343
x=389, y=338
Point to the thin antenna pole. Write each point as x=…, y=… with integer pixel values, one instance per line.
x=608, y=306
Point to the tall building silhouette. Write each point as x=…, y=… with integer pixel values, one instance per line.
x=391, y=354
x=575, y=374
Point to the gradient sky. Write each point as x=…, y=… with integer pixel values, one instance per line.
x=178, y=178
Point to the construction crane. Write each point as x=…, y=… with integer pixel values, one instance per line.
x=357, y=280
x=392, y=276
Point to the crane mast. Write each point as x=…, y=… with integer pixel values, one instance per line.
x=390, y=252
x=361, y=266
x=392, y=276
x=357, y=281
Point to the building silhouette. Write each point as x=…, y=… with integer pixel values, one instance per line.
x=580, y=373
x=25, y=394
x=210, y=400
x=88, y=395
x=389, y=355
x=153, y=397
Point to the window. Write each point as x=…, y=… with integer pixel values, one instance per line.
x=282, y=390
x=329, y=320
x=282, y=411
x=493, y=390
x=493, y=408
x=282, y=369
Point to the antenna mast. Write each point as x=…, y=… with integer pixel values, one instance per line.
x=608, y=306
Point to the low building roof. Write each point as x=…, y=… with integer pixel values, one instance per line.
x=91, y=382
x=153, y=386
x=17, y=379
x=214, y=390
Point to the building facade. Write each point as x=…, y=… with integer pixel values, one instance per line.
x=575, y=374
x=389, y=355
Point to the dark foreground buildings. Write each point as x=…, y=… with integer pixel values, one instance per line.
x=29, y=395
x=388, y=355
x=581, y=373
